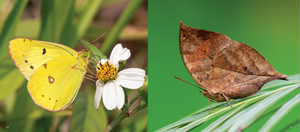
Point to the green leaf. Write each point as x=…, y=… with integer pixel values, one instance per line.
x=120, y=24
x=47, y=19
x=86, y=118
x=43, y=124
x=292, y=79
x=245, y=120
x=10, y=26
x=22, y=117
x=79, y=112
x=244, y=112
x=223, y=118
x=57, y=26
x=287, y=107
x=86, y=16
x=10, y=78
x=94, y=50
x=96, y=119
x=1, y=129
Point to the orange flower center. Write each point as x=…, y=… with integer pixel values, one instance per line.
x=106, y=72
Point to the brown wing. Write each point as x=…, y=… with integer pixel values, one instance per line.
x=221, y=65
x=240, y=71
x=198, y=48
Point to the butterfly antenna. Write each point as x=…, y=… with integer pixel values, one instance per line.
x=96, y=39
x=98, y=57
x=189, y=83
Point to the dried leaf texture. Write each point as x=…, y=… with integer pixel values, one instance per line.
x=222, y=66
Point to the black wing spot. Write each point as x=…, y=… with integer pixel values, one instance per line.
x=49, y=98
x=26, y=61
x=44, y=51
x=55, y=100
x=42, y=95
x=32, y=67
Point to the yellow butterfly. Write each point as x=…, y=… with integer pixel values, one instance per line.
x=54, y=71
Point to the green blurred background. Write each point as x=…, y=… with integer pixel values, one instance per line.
x=270, y=27
x=66, y=22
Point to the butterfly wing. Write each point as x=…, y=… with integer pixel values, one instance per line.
x=221, y=65
x=29, y=55
x=198, y=48
x=55, y=84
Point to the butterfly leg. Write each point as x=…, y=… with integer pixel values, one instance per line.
x=90, y=71
x=209, y=106
x=98, y=84
x=227, y=99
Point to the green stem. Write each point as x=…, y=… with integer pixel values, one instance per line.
x=124, y=113
x=120, y=24
x=116, y=121
x=138, y=109
x=134, y=99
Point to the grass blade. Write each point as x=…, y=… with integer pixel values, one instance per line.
x=245, y=120
x=252, y=107
x=292, y=79
x=280, y=113
x=87, y=16
x=10, y=26
x=216, y=123
x=120, y=24
x=79, y=112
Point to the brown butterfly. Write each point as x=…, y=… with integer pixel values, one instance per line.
x=226, y=69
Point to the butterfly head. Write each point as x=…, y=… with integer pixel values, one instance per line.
x=84, y=53
x=214, y=96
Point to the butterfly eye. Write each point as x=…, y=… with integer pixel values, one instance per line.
x=206, y=92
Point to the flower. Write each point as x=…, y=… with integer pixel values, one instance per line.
x=110, y=80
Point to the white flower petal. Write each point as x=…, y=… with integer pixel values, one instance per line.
x=98, y=94
x=131, y=78
x=120, y=96
x=119, y=54
x=109, y=95
x=103, y=61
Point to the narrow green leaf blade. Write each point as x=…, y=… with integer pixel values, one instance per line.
x=87, y=16
x=47, y=21
x=24, y=106
x=285, y=109
x=247, y=119
x=10, y=78
x=96, y=119
x=216, y=123
x=292, y=79
x=10, y=26
x=79, y=112
x=120, y=24
x=57, y=22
